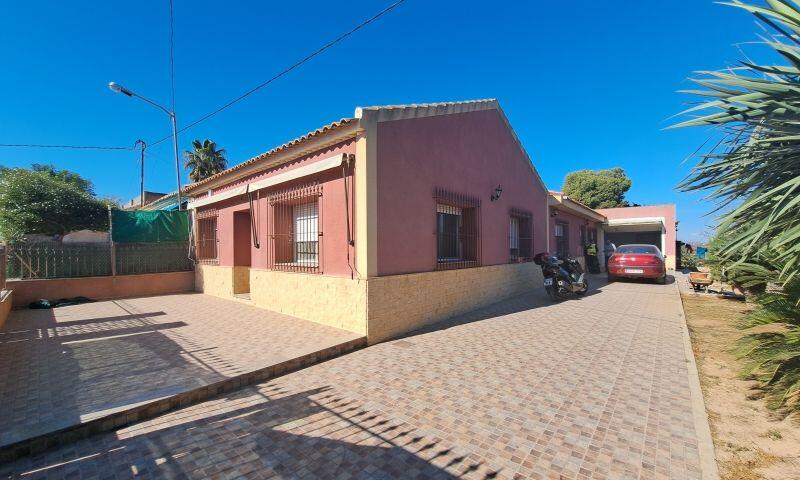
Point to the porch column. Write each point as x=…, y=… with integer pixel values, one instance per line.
x=366, y=195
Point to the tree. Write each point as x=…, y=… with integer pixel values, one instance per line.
x=67, y=176
x=598, y=188
x=204, y=160
x=47, y=201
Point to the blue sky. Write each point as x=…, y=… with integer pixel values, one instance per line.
x=588, y=85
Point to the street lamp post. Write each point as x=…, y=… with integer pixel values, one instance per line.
x=117, y=88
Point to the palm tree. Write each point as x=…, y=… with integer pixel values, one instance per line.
x=204, y=160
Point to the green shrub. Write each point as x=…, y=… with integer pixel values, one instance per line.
x=689, y=258
x=773, y=358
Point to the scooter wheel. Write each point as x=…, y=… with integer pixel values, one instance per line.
x=585, y=288
x=554, y=295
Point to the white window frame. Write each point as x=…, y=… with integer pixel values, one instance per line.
x=305, y=224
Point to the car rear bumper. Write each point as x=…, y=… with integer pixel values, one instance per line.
x=652, y=271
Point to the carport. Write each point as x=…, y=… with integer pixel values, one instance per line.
x=649, y=231
x=645, y=224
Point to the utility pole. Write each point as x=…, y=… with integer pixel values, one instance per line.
x=142, y=146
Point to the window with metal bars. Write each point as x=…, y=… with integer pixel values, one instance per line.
x=520, y=236
x=562, y=239
x=457, y=230
x=296, y=233
x=207, y=237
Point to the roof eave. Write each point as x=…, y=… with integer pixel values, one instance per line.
x=272, y=160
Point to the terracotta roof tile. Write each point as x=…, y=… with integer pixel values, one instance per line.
x=308, y=136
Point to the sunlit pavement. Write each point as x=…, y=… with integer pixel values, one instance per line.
x=593, y=387
x=69, y=365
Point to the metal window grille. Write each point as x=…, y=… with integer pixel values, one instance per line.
x=457, y=230
x=562, y=239
x=297, y=229
x=207, y=238
x=520, y=236
x=582, y=233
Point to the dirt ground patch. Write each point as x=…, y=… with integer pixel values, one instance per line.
x=750, y=441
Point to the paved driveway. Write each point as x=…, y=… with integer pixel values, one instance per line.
x=65, y=366
x=589, y=388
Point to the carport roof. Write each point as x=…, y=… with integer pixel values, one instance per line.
x=564, y=202
x=640, y=224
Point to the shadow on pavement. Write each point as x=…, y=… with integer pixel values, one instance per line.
x=310, y=434
x=535, y=298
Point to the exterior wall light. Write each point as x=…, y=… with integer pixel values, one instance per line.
x=497, y=192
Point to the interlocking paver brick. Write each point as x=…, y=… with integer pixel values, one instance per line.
x=595, y=388
x=63, y=366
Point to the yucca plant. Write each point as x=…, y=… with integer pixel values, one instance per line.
x=755, y=169
x=773, y=358
x=753, y=177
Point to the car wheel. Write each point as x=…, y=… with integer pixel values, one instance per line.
x=662, y=280
x=611, y=278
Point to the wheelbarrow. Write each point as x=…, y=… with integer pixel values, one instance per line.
x=700, y=280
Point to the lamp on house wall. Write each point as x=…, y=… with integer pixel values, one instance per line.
x=497, y=192
x=554, y=213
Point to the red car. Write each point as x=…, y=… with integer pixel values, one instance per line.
x=637, y=261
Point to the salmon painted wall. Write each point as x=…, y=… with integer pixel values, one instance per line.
x=465, y=153
x=574, y=222
x=666, y=211
x=332, y=214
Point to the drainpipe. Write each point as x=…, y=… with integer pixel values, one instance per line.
x=547, y=228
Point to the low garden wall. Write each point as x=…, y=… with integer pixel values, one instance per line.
x=101, y=288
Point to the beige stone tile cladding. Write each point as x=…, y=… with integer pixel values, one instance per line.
x=401, y=303
x=333, y=301
x=382, y=307
x=214, y=280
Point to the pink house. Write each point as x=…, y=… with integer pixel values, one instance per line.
x=387, y=221
x=572, y=226
x=380, y=223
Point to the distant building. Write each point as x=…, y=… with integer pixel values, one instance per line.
x=140, y=200
x=168, y=201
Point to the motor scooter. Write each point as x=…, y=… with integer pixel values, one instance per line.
x=562, y=276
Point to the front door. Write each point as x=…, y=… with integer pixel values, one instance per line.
x=242, y=242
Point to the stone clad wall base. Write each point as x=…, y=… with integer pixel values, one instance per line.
x=402, y=303
x=670, y=262
x=214, y=280
x=381, y=308
x=334, y=301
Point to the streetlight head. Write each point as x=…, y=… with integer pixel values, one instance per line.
x=117, y=88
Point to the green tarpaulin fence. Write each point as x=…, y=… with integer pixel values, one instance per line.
x=149, y=226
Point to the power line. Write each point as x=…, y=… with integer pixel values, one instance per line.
x=74, y=147
x=288, y=69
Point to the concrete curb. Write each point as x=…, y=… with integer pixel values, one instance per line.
x=708, y=460
x=146, y=410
